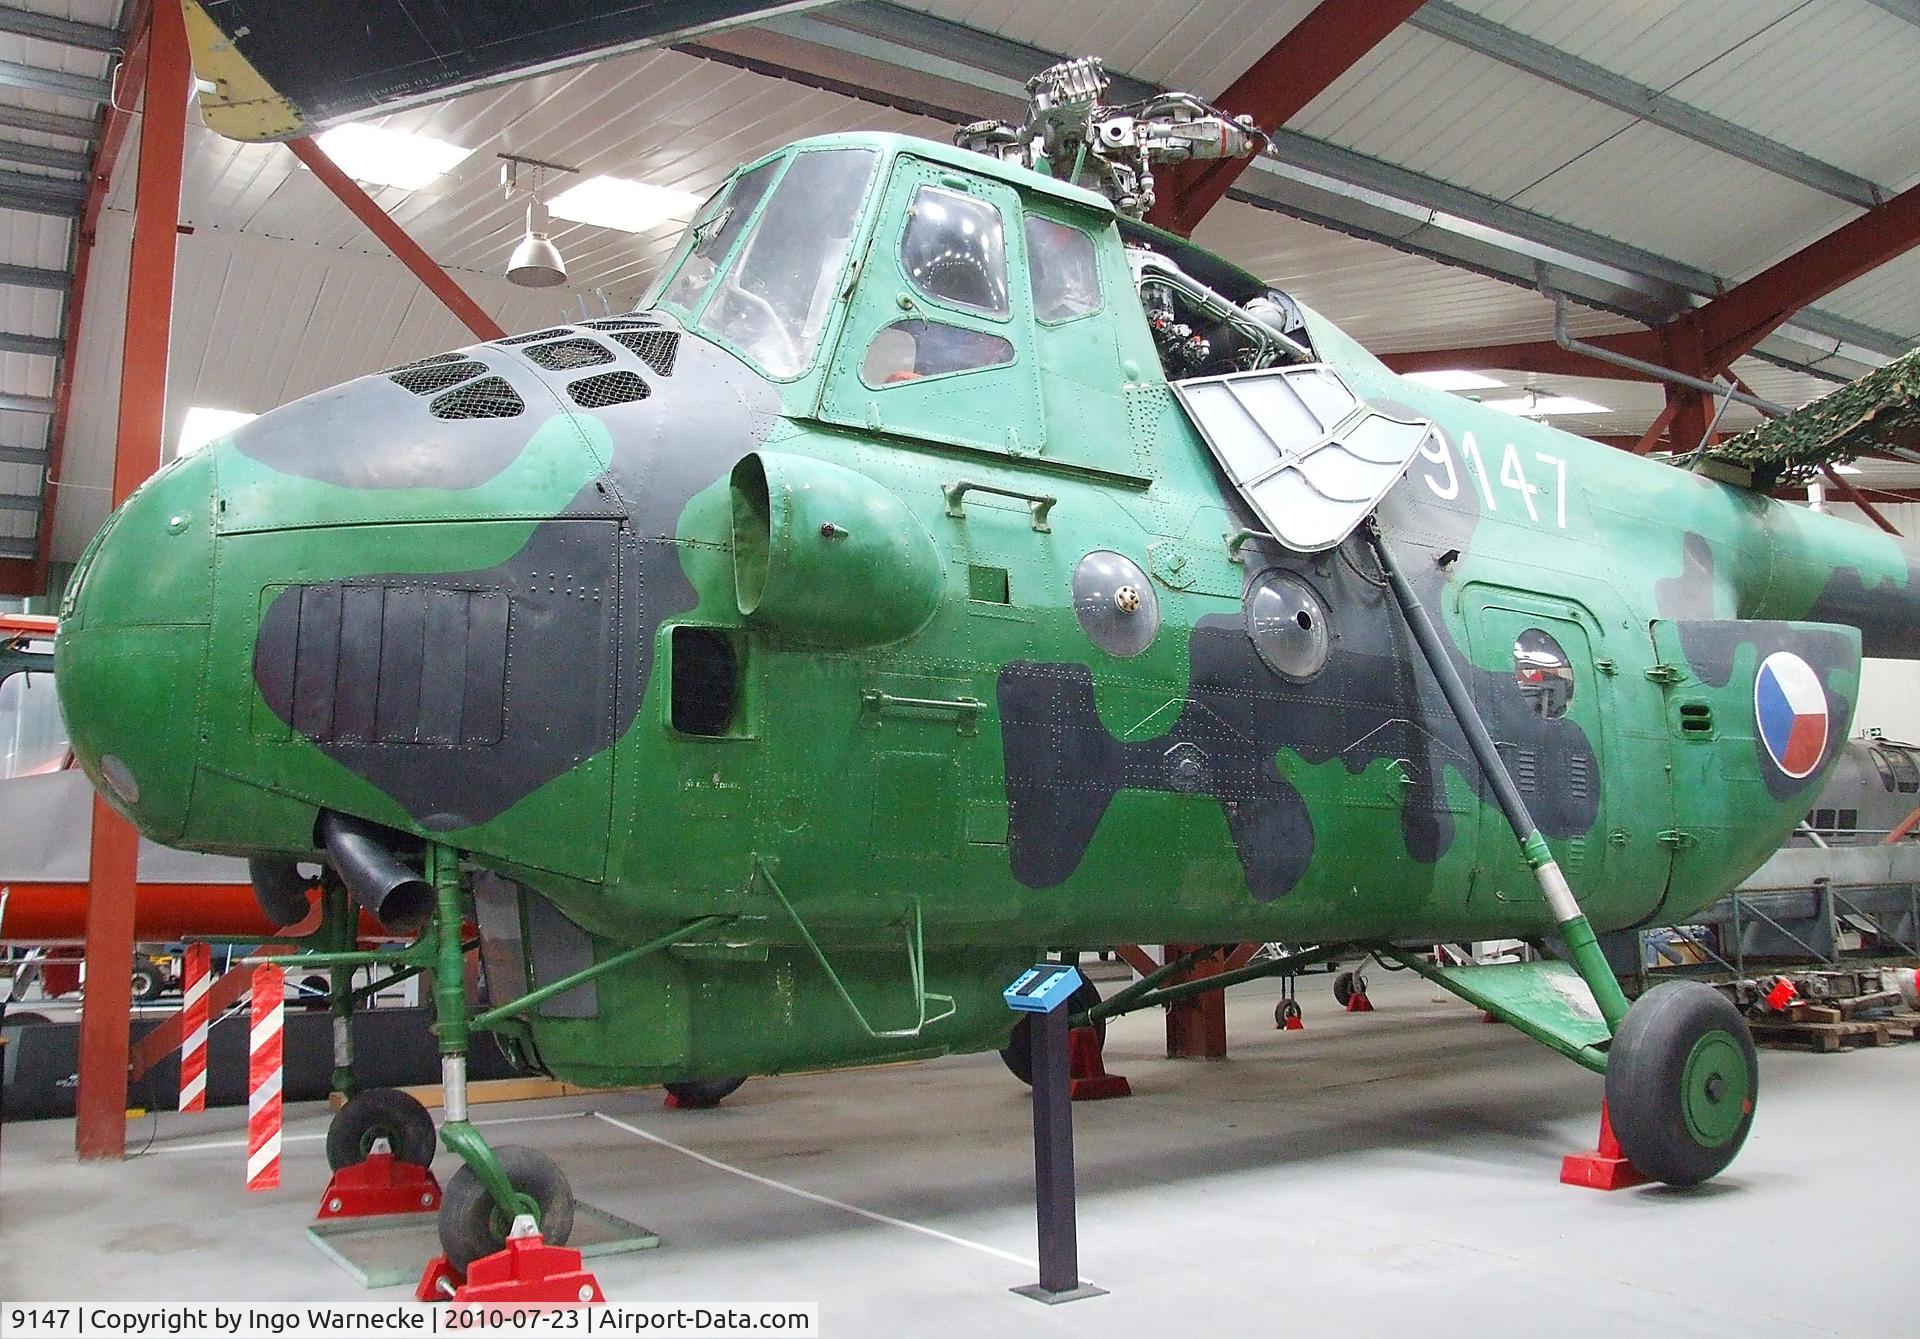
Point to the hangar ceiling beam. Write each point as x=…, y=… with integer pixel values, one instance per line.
x=100, y=1118
x=39, y=155
x=395, y=238
x=1466, y=29
x=1705, y=341
x=18, y=74
x=47, y=346
x=66, y=32
x=40, y=195
x=28, y=276
x=895, y=57
x=1900, y=9
x=47, y=123
x=1298, y=68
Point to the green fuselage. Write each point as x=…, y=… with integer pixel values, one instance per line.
x=737, y=644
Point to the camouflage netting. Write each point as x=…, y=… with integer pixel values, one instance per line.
x=1880, y=410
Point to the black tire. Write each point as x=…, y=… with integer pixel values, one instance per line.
x=472, y=1225
x=1343, y=989
x=381, y=1113
x=1682, y=1079
x=1018, y=1052
x=24, y=1018
x=1287, y=1008
x=703, y=1093
x=148, y=980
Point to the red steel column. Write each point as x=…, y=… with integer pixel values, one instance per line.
x=1197, y=1025
x=407, y=251
x=100, y=1130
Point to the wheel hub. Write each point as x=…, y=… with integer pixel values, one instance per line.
x=1714, y=1095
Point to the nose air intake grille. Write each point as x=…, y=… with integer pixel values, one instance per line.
x=607, y=389
x=656, y=348
x=437, y=376
x=490, y=397
x=566, y=354
x=428, y=362
x=622, y=323
x=532, y=335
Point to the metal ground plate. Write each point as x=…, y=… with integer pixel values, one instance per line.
x=392, y=1249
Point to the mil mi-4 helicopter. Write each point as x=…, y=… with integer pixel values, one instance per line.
x=944, y=568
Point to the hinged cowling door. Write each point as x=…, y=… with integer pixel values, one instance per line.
x=1755, y=711
x=938, y=338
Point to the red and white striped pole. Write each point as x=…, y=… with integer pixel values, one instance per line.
x=193, y=1050
x=263, y=1077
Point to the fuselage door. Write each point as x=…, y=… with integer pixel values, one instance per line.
x=1536, y=687
x=937, y=342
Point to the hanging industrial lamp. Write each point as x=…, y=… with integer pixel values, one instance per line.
x=536, y=262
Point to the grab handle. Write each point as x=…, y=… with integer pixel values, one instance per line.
x=1038, y=503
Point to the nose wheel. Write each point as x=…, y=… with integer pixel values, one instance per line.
x=376, y=1114
x=474, y=1224
x=1682, y=1077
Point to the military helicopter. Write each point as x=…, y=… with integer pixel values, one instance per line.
x=941, y=568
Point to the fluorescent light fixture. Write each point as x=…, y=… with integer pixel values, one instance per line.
x=1540, y=406
x=615, y=202
x=1453, y=379
x=204, y=424
x=383, y=157
x=1846, y=469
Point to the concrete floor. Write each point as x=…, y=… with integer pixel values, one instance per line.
x=1393, y=1172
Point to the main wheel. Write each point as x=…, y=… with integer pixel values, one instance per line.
x=148, y=980
x=1018, y=1052
x=381, y=1113
x=703, y=1093
x=1343, y=986
x=472, y=1225
x=1682, y=1076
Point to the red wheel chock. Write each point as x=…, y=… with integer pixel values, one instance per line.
x=1358, y=1003
x=380, y=1185
x=1088, y=1080
x=1606, y=1168
x=526, y=1272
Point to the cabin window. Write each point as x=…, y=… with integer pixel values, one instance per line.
x=1879, y=757
x=910, y=350
x=33, y=734
x=714, y=233
x=707, y=684
x=1544, y=674
x=954, y=250
x=774, y=302
x=1906, y=774
x=1066, y=278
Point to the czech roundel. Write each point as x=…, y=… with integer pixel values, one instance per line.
x=1791, y=709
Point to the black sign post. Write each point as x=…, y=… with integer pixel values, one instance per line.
x=1053, y=1154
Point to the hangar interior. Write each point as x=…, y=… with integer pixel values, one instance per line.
x=1523, y=201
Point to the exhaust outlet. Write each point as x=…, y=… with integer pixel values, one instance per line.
x=379, y=881
x=279, y=891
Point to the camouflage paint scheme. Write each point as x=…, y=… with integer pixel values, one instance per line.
x=463, y=629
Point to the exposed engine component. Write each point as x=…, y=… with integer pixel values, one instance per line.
x=1200, y=332
x=1071, y=135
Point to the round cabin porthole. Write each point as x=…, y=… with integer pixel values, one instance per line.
x=1288, y=625
x=1116, y=603
x=1544, y=674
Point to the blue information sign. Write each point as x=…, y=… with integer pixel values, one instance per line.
x=1042, y=989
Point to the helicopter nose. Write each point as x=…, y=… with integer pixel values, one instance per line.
x=130, y=655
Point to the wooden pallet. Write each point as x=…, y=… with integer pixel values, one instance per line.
x=1821, y=1035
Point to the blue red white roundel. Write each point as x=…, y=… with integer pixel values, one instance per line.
x=1791, y=709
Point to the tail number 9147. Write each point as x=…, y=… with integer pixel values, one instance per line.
x=1542, y=495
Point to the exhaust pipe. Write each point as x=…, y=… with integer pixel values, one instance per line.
x=279, y=890
x=360, y=854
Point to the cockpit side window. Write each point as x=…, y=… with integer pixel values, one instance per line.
x=774, y=302
x=1066, y=278
x=954, y=250
x=714, y=233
